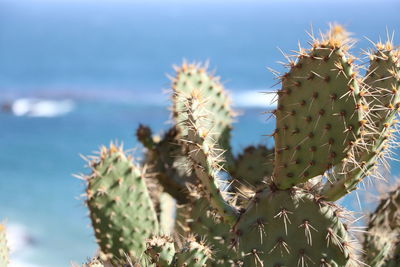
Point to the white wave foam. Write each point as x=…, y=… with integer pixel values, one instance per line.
x=254, y=99
x=39, y=107
x=20, y=243
x=34, y=107
x=20, y=263
x=18, y=237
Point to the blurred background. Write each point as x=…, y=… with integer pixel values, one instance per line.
x=78, y=74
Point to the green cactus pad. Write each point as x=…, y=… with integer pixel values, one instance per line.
x=167, y=162
x=4, y=251
x=383, y=81
x=161, y=250
x=384, y=230
x=120, y=207
x=193, y=254
x=318, y=114
x=209, y=227
x=291, y=228
x=382, y=84
x=192, y=77
x=252, y=167
x=204, y=157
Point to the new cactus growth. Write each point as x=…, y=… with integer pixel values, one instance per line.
x=276, y=206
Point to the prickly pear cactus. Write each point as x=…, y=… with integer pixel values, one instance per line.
x=332, y=126
x=4, y=251
x=121, y=211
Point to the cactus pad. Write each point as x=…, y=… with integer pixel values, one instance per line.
x=203, y=155
x=120, y=207
x=161, y=250
x=291, y=228
x=209, y=226
x=169, y=165
x=318, y=114
x=190, y=78
x=252, y=167
x=193, y=254
x=382, y=93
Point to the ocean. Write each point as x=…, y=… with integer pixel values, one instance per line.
x=102, y=68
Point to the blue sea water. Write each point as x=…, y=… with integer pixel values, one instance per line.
x=111, y=58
